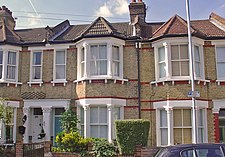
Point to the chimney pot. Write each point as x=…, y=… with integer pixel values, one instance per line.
x=140, y=1
x=133, y=1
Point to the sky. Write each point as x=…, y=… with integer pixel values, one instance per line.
x=40, y=13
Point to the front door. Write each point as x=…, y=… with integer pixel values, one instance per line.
x=37, y=123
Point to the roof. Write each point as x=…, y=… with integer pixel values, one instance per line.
x=176, y=26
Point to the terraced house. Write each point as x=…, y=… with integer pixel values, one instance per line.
x=109, y=71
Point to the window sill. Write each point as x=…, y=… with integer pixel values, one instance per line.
x=90, y=80
x=64, y=82
x=33, y=83
x=11, y=82
x=220, y=82
x=174, y=81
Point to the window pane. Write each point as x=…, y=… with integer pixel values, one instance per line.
x=60, y=57
x=82, y=54
x=220, y=54
x=94, y=131
x=103, y=67
x=161, y=54
x=187, y=135
x=164, y=137
x=94, y=115
x=1, y=57
x=116, y=113
x=175, y=69
x=36, y=73
x=115, y=54
x=162, y=70
x=197, y=69
x=187, y=117
x=184, y=52
x=220, y=70
x=196, y=53
x=177, y=136
x=174, y=52
x=94, y=68
x=12, y=58
x=103, y=131
x=60, y=72
x=177, y=116
x=94, y=52
x=102, y=115
x=81, y=115
x=59, y=111
x=37, y=58
x=102, y=52
x=163, y=118
x=116, y=68
x=0, y=71
x=185, y=68
x=11, y=72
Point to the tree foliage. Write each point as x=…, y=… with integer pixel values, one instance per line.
x=6, y=112
x=69, y=121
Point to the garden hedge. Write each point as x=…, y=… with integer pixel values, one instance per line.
x=130, y=133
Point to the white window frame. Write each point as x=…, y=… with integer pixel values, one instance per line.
x=219, y=46
x=38, y=81
x=86, y=45
x=5, y=50
x=55, y=80
x=85, y=104
x=182, y=104
x=166, y=43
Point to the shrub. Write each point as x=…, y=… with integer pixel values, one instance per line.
x=130, y=133
x=71, y=142
x=102, y=148
x=69, y=121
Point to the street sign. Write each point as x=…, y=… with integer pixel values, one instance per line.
x=193, y=94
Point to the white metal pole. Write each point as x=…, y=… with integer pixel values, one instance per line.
x=194, y=121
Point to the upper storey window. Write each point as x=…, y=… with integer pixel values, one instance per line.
x=36, y=67
x=100, y=59
x=60, y=65
x=220, y=60
x=172, y=61
x=9, y=66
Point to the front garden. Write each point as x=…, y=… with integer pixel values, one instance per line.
x=129, y=134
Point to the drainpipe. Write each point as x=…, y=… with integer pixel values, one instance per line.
x=138, y=45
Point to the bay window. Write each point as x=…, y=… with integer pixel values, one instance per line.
x=172, y=61
x=174, y=122
x=100, y=59
x=97, y=117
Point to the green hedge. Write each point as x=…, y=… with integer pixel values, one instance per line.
x=130, y=133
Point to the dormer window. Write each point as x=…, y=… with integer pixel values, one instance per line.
x=100, y=59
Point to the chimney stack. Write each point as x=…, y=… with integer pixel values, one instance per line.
x=137, y=9
x=6, y=17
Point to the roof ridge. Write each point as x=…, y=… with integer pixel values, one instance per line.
x=184, y=22
x=14, y=34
